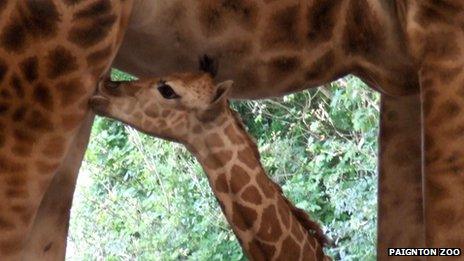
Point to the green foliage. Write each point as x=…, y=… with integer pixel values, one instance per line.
x=148, y=199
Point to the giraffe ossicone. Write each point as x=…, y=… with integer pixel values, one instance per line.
x=191, y=109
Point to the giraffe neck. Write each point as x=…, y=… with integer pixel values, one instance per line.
x=265, y=222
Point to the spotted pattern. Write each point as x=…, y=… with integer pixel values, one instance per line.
x=270, y=228
x=232, y=135
x=220, y=184
x=210, y=18
x=217, y=161
x=441, y=45
x=235, y=50
x=23, y=135
x=248, y=157
x=46, y=167
x=260, y=250
x=32, y=108
x=442, y=12
x=94, y=10
x=446, y=111
x=18, y=192
x=213, y=15
x=296, y=231
x=4, y=107
x=292, y=250
x=5, y=94
x=244, y=11
x=17, y=86
x=89, y=34
x=214, y=141
x=43, y=96
x=284, y=213
x=6, y=225
x=321, y=66
x=11, y=246
x=71, y=121
x=283, y=29
x=264, y=184
x=322, y=18
x=363, y=34
x=70, y=92
x=13, y=36
x=251, y=194
x=282, y=67
x=3, y=70
x=42, y=18
x=405, y=145
x=29, y=68
x=239, y=178
x=253, y=203
x=39, y=19
x=3, y=4
x=243, y=217
x=37, y=121
x=99, y=56
x=11, y=166
x=61, y=61
x=22, y=150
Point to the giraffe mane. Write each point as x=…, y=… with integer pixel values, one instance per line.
x=310, y=225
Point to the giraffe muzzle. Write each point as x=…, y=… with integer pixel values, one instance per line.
x=99, y=104
x=111, y=88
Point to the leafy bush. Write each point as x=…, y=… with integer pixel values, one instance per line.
x=148, y=199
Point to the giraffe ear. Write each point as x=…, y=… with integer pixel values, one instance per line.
x=222, y=89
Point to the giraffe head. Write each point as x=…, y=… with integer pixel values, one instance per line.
x=167, y=107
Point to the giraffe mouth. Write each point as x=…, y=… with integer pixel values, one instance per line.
x=99, y=104
x=110, y=88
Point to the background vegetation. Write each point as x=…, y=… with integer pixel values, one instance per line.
x=142, y=198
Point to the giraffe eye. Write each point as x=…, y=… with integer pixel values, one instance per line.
x=167, y=92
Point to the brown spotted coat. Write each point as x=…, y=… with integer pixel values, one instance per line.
x=52, y=53
x=267, y=225
x=402, y=48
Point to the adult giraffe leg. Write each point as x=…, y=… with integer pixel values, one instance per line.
x=442, y=86
x=48, y=74
x=400, y=212
x=47, y=240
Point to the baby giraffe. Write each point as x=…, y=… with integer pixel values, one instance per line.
x=191, y=109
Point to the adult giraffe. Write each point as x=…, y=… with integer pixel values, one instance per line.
x=273, y=47
x=402, y=48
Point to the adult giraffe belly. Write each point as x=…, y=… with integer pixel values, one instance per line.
x=257, y=45
x=268, y=49
x=52, y=53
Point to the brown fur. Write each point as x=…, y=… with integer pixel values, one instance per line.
x=234, y=170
